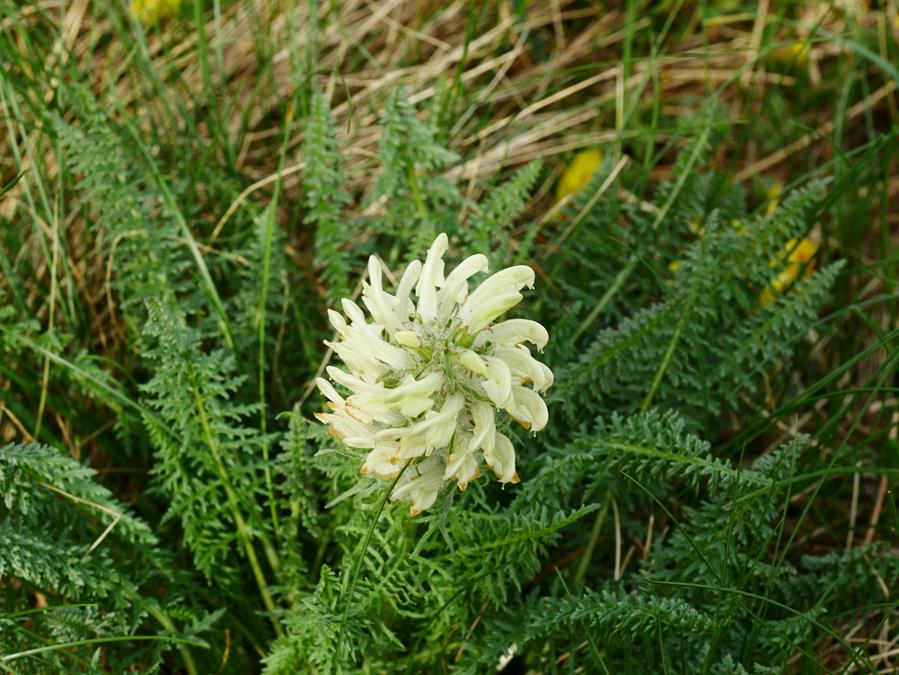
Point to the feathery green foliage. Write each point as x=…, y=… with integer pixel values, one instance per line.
x=96, y=566
x=489, y=228
x=208, y=462
x=138, y=241
x=421, y=204
x=326, y=197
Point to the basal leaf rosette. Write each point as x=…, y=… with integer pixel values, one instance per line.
x=427, y=377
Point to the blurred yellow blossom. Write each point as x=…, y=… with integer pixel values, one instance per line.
x=578, y=173
x=149, y=12
x=795, y=53
x=799, y=261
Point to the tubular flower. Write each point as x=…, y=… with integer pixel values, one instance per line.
x=427, y=377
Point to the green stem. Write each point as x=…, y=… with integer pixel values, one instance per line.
x=594, y=538
x=166, y=623
x=357, y=568
x=233, y=503
x=268, y=237
x=606, y=298
x=416, y=191
x=669, y=353
x=96, y=641
x=45, y=376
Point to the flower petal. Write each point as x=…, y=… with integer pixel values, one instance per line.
x=420, y=484
x=502, y=459
x=328, y=390
x=404, y=289
x=496, y=294
x=455, y=289
x=512, y=332
x=431, y=277
x=528, y=408
x=484, y=433
x=379, y=303
x=382, y=461
x=497, y=381
x=435, y=427
x=525, y=367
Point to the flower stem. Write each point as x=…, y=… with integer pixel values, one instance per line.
x=357, y=568
x=591, y=543
x=233, y=503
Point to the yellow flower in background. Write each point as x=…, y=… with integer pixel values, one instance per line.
x=796, y=259
x=796, y=53
x=799, y=261
x=149, y=12
x=578, y=174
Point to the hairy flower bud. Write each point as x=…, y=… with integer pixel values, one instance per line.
x=427, y=378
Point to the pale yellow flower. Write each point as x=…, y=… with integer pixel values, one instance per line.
x=772, y=198
x=428, y=377
x=578, y=173
x=149, y=12
x=797, y=259
x=795, y=53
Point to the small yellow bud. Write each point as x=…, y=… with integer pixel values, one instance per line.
x=407, y=338
x=773, y=198
x=473, y=362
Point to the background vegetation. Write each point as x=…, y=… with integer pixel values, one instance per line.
x=183, y=198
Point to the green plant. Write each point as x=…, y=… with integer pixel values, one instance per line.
x=177, y=229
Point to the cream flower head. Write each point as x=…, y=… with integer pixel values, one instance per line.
x=428, y=377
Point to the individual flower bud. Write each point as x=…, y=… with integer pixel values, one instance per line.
x=407, y=338
x=473, y=362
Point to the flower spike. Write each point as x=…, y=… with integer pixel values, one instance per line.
x=428, y=376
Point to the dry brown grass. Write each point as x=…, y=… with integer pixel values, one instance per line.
x=518, y=105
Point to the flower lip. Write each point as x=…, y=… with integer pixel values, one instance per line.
x=514, y=331
x=431, y=277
